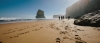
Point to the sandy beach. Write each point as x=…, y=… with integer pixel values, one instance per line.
x=47, y=31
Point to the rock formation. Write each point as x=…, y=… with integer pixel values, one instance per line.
x=83, y=7
x=40, y=14
x=90, y=19
x=57, y=16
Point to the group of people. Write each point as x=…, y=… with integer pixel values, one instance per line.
x=63, y=17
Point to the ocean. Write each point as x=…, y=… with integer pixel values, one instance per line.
x=20, y=20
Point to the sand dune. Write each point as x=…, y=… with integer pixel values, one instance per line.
x=48, y=31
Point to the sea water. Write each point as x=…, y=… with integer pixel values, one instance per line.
x=20, y=20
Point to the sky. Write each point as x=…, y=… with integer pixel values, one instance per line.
x=29, y=8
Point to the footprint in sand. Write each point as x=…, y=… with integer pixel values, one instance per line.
x=78, y=39
x=98, y=29
x=27, y=32
x=63, y=32
x=80, y=30
x=35, y=29
x=1, y=41
x=22, y=33
x=74, y=31
x=41, y=27
x=13, y=31
x=10, y=37
x=8, y=32
x=15, y=36
x=58, y=40
x=57, y=28
x=4, y=33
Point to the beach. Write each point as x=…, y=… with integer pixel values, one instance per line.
x=47, y=31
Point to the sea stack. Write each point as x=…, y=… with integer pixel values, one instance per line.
x=40, y=14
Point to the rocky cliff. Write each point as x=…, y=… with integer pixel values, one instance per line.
x=83, y=7
x=90, y=19
x=40, y=14
x=57, y=16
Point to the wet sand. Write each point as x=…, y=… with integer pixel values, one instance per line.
x=47, y=31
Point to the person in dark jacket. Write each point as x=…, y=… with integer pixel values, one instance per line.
x=59, y=17
x=63, y=17
x=68, y=17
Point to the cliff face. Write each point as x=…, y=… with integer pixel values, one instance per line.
x=83, y=7
x=40, y=14
x=55, y=16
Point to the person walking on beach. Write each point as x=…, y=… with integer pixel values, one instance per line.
x=59, y=17
x=68, y=17
x=63, y=17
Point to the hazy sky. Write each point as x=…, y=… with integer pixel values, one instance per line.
x=28, y=8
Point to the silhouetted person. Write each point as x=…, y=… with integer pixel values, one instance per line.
x=68, y=17
x=59, y=17
x=63, y=17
